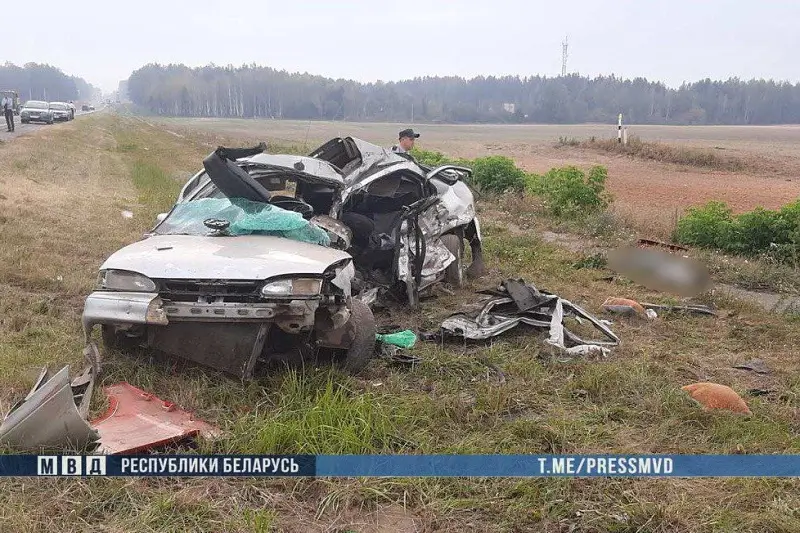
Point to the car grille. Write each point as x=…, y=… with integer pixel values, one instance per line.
x=194, y=290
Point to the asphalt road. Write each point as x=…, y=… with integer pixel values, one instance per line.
x=24, y=129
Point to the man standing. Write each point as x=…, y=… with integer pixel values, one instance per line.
x=405, y=141
x=8, y=109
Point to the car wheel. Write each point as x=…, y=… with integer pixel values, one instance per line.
x=356, y=358
x=454, y=275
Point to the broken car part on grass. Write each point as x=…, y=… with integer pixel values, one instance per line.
x=273, y=259
x=516, y=302
x=136, y=421
x=53, y=416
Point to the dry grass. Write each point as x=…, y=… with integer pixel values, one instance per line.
x=62, y=218
x=662, y=153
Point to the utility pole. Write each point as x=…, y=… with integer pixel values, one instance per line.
x=564, y=55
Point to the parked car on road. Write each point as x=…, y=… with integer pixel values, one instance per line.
x=36, y=111
x=61, y=111
x=91, y=108
x=84, y=107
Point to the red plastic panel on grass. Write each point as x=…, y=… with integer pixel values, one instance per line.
x=136, y=421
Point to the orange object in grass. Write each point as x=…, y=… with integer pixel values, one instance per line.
x=716, y=396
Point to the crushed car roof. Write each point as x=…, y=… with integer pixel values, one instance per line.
x=299, y=165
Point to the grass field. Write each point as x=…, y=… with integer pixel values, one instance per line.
x=62, y=193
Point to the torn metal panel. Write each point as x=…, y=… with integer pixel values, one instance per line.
x=344, y=278
x=691, y=309
x=136, y=421
x=124, y=308
x=500, y=313
x=48, y=417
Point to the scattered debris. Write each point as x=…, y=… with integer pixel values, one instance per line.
x=716, y=396
x=127, y=214
x=397, y=354
x=516, y=302
x=755, y=365
x=52, y=415
x=759, y=392
x=136, y=421
x=688, y=309
x=402, y=339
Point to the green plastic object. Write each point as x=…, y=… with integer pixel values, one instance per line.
x=403, y=339
x=246, y=218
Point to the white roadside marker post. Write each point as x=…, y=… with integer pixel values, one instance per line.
x=619, y=129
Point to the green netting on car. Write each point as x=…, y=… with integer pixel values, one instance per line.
x=246, y=217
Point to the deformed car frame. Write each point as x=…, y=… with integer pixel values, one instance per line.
x=214, y=297
x=406, y=224
x=231, y=301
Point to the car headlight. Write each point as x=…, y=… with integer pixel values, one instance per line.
x=297, y=287
x=123, y=280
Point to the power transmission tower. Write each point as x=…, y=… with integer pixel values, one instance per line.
x=564, y=56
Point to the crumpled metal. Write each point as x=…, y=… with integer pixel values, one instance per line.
x=500, y=312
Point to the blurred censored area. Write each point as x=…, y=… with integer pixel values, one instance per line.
x=661, y=271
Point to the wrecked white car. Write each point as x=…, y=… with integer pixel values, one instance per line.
x=406, y=226
x=231, y=280
x=409, y=223
x=273, y=258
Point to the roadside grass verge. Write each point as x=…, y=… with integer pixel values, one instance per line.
x=455, y=401
x=663, y=153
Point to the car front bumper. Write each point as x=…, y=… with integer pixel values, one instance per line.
x=36, y=118
x=228, y=336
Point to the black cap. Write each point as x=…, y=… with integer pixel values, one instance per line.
x=408, y=133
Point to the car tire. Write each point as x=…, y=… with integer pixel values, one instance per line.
x=454, y=275
x=362, y=350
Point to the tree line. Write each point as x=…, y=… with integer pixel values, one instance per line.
x=35, y=81
x=256, y=91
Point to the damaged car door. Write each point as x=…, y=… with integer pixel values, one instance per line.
x=409, y=225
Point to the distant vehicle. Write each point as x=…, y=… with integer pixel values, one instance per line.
x=84, y=107
x=36, y=111
x=91, y=108
x=14, y=97
x=61, y=111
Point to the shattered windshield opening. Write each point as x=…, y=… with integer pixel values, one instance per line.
x=244, y=217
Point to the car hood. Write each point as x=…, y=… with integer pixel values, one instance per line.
x=245, y=257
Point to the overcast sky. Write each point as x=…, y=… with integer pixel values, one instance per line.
x=367, y=40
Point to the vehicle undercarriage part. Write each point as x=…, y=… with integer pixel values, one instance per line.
x=53, y=414
x=516, y=302
x=136, y=421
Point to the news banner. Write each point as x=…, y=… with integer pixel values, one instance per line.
x=402, y=465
